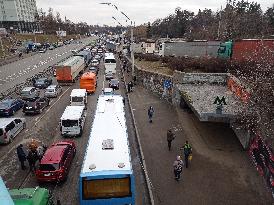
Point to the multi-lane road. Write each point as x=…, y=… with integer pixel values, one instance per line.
x=45, y=127
x=18, y=71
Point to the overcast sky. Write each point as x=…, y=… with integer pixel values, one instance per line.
x=140, y=11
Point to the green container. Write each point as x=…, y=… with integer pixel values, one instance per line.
x=31, y=196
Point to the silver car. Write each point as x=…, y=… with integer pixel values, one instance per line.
x=53, y=91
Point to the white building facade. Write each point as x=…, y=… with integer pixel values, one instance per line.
x=18, y=15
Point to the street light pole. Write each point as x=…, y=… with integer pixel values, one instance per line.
x=132, y=52
x=131, y=31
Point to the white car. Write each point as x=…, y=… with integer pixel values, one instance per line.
x=53, y=91
x=10, y=127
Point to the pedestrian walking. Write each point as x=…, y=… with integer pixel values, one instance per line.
x=134, y=79
x=178, y=168
x=187, y=151
x=21, y=156
x=170, y=137
x=130, y=84
x=128, y=87
x=32, y=158
x=150, y=113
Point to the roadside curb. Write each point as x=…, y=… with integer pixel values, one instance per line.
x=143, y=162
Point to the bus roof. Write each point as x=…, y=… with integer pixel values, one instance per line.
x=108, y=148
x=78, y=93
x=73, y=112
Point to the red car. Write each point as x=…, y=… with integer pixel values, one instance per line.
x=55, y=164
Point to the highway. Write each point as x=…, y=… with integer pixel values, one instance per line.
x=18, y=71
x=45, y=127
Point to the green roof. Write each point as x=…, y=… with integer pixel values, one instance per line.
x=30, y=196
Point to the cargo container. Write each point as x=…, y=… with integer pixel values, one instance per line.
x=86, y=54
x=68, y=70
x=199, y=48
x=248, y=49
x=88, y=82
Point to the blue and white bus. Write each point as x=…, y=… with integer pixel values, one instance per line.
x=107, y=176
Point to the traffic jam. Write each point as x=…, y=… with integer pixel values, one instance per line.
x=44, y=133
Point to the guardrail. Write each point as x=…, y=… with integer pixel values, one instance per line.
x=15, y=90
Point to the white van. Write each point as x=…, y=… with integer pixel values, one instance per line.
x=78, y=97
x=72, y=121
x=10, y=127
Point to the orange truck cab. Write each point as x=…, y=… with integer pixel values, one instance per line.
x=88, y=82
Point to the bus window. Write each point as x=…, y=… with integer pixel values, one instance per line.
x=106, y=188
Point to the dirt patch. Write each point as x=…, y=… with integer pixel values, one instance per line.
x=156, y=66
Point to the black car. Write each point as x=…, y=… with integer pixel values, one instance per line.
x=42, y=82
x=9, y=106
x=35, y=105
x=114, y=83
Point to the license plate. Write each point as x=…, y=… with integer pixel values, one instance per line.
x=47, y=175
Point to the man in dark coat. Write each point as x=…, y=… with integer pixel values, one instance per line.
x=170, y=136
x=21, y=156
x=150, y=113
x=32, y=158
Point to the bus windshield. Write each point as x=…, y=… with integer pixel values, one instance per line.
x=106, y=188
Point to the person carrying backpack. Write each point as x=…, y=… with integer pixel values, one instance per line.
x=187, y=151
x=178, y=168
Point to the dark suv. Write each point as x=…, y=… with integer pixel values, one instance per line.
x=42, y=82
x=35, y=105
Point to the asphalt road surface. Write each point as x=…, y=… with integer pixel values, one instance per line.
x=17, y=72
x=44, y=127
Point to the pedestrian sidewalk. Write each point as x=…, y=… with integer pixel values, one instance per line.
x=207, y=180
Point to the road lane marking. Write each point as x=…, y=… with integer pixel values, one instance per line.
x=37, y=121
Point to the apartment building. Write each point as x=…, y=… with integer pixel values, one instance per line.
x=18, y=15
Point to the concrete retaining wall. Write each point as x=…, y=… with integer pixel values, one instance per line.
x=155, y=83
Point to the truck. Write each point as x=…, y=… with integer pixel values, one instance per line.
x=86, y=54
x=247, y=49
x=88, y=82
x=68, y=70
x=197, y=48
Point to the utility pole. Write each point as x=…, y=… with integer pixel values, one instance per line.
x=132, y=51
x=219, y=26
